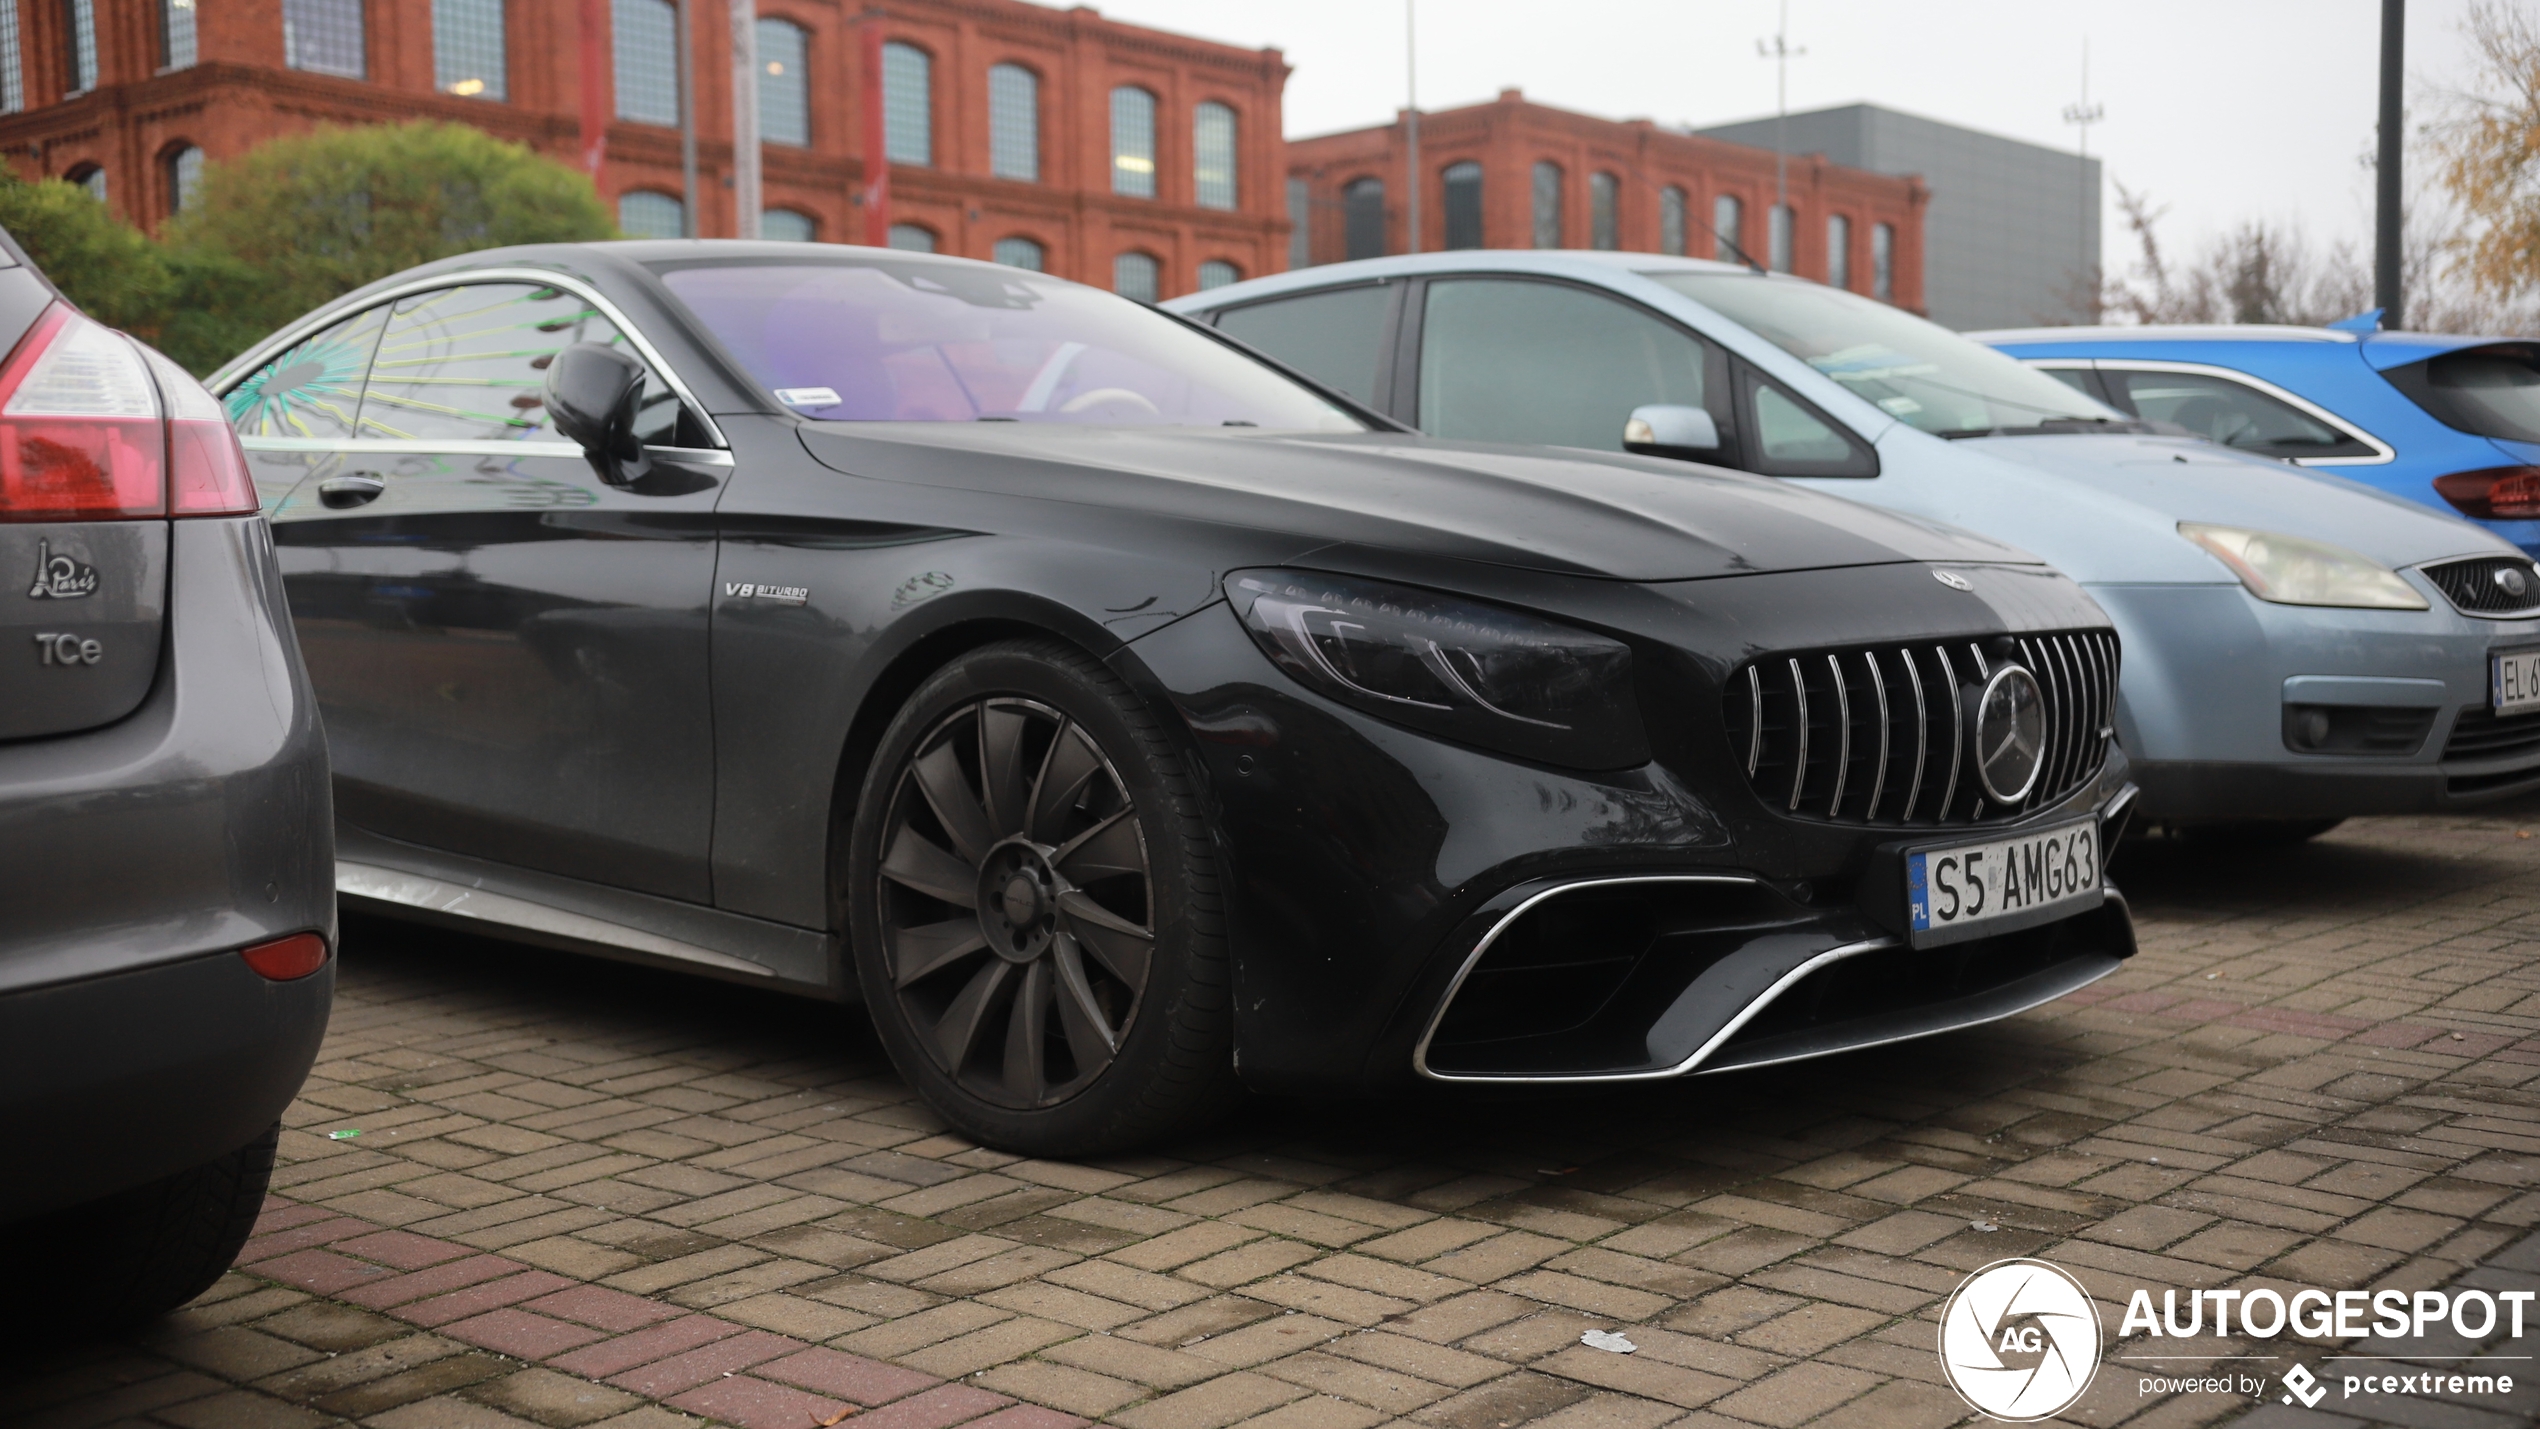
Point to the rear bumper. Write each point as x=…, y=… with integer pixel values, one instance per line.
x=110, y=1082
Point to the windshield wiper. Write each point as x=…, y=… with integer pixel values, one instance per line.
x=2053, y=426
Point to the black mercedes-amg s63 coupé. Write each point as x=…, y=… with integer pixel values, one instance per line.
x=1122, y=718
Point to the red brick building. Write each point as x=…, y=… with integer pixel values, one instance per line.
x=1119, y=154
x=1512, y=174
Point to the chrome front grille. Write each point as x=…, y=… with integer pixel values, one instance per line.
x=2485, y=585
x=1879, y=735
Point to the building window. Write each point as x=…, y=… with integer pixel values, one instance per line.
x=785, y=225
x=185, y=177
x=1136, y=275
x=645, y=36
x=1021, y=253
x=1213, y=155
x=908, y=105
x=1839, y=251
x=1883, y=262
x=1547, y=205
x=1363, y=215
x=90, y=177
x=176, y=33
x=467, y=48
x=1671, y=221
x=784, y=91
x=1605, y=220
x=644, y=214
x=1463, y=183
x=1780, y=237
x=83, y=47
x=12, y=81
x=912, y=238
x=1014, y=123
x=1217, y=273
x=320, y=36
x=1728, y=224
x=1132, y=142
x=1300, y=223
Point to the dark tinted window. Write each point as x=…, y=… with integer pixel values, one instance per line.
x=2494, y=392
x=470, y=364
x=2079, y=379
x=2232, y=413
x=1363, y=219
x=1335, y=337
x=1517, y=361
x=1463, y=185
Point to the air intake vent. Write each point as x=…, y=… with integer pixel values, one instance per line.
x=1885, y=735
x=2488, y=585
x=2479, y=734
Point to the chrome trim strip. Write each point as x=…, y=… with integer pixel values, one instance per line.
x=388, y=885
x=1799, y=773
x=420, y=448
x=1843, y=737
x=1878, y=780
x=1420, y=1053
x=2062, y=989
x=1755, y=734
x=1957, y=734
x=257, y=356
x=1922, y=736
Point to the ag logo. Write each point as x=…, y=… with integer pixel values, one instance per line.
x=2020, y=1340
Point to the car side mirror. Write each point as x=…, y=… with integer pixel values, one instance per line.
x=1662, y=429
x=593, y=393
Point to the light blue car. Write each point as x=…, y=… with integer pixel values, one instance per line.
x=2298, y=648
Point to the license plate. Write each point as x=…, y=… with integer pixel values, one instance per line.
x=1977, y=888
x=2513, y=682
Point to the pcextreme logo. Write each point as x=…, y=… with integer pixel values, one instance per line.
x=2020, y=1340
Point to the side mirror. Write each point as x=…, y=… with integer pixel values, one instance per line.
x=592, y=395
x=1661, y=429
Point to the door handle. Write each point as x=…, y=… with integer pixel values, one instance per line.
x=339, y=493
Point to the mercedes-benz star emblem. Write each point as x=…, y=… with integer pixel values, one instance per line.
x=2010, y=733
x=2020, y=1340
x=2512, y=581
x=1953, y=580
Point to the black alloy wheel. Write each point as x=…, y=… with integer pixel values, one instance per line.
x=1032, y=909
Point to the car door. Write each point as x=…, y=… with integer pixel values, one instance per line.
x=510, y=653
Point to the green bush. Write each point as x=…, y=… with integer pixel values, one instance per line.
x=99, y=261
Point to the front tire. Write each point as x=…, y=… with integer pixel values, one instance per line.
x=1033, y=899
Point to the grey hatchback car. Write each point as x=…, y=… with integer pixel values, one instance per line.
x=167, y=907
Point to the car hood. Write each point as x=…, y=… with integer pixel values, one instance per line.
x=1568, y=512
x=2147, y=485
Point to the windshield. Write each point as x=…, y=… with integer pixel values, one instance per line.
x=1916, y=371
x=937, y=342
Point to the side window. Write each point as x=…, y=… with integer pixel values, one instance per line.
x=1787, y=437
x=2232, y=413
x=311, y=389
x=2080, y=379
x=1509, y=360
x=470, y=364
x=1336, y=337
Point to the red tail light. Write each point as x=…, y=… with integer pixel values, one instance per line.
x=286, y=958
x=207, y=471
x=2503, y=493
x=79, y=426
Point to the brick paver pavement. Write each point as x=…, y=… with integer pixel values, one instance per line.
x=589, y=1194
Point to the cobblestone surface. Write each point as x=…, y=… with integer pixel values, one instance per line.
x=585, y=1194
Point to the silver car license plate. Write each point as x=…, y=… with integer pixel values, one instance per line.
x=2027, y=878
x=2513, y=682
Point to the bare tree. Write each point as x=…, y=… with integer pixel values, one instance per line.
x=2486, y=149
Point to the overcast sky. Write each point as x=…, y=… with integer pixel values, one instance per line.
x=2223, y=110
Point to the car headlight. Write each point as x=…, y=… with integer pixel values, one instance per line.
x=2291, y=570
x=1461, y=669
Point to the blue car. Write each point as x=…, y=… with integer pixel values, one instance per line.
x=2452, y=422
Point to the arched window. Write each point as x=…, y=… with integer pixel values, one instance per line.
x=185, y=177
x=1839, y=251
x=786, y=225
x=1213, y=155
x=1463, y=184
x=1605, y=219
x=176, y=35
x=908, y=105
x=320, y=36
x=1014, y=123
x=1728, y=220
x=645, y=214
x=91, y=177
x=912, y=237
x=1132, y=142
x=1671, y=221
x=1883, y=262
x=82, y=50
x=467, y=48
x=1217, y=273
x=784, y=83
x=1547, y=204
x=1363, y=215
x=1137, y=275
x=1780, y=237
x=1021, y=253
x=645, y=38
x=1300, y=223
